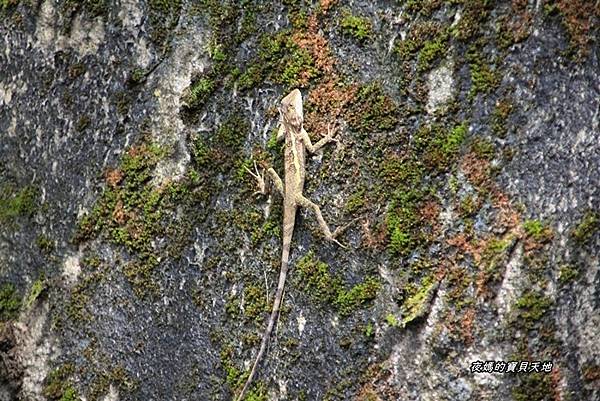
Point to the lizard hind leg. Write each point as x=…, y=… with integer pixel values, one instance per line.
x=305, y=202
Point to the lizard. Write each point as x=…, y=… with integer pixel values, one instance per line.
x=297, y=142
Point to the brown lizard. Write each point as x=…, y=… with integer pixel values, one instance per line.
x=297, y=142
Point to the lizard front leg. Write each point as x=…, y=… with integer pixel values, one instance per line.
x=313, y=148
x=262, y=186
x=305, y=202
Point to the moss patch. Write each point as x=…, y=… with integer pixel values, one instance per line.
x=417, y=304
x=356, y=26
x=531, y=307
x=372, y=110
x=136, y=214
x=281, y=60
x=17, y=202
x=10, y=302
x=533, y=387
x=537, y=230
x=587, y=227
x=314, y=277
x=57, y=385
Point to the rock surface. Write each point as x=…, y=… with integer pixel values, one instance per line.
x=136, y=263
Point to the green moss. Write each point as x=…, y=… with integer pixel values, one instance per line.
x=281, y=61
x=567, y=273
x=5, y=4
x=163, y=16
x=137, y=76
x=372, y=110
x=391, y=319
x=233, y=376
x=316, y=280
x=483, y=148
x=537, y=230
x=402, y=222
x=473, y=15
x=57, y=385
x=401, y=241
x=416, y=305
x=132, y=212
x=533, y=387
x=405, y=49
x=347, y=301
x=140, y=275
x=257, y=393
x=369, y=330
x=201, y=152
x=500, y=116
x=532, y=306
x=299, y=62
x=587, y=227
x=80, y=296
x=468, y=206
x=497, y=246
x=438, y=146
x=46, y=244
x=199, y=92
x=36, y=289
x=484, y=79
x=398, y=171
x=431, y=51
x=255, y=302
x=356, y=201
x=17, y=202
x=10, y=302
x=356, y=26
x=116, y=375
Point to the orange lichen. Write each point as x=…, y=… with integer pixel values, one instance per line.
x=318, y=47
x=119, y=214
x=113, y=177
x=467, y=325
x=326, y=103
x=577, y=18
x=326, y=5
x=476, y=169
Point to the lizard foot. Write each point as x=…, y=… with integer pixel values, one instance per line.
x=340, y=230
x=262, y=186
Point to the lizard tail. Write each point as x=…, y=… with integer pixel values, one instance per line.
x=272, y=319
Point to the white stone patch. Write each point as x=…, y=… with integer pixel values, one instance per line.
x=72, y=268
x=171, y=79
x=112, y=395
x=86, y=36
x=44, y=30
x=35, y=350
x=441, y=86
x=12, y=128
x=301, y=323
x=282, y=393
x=5, y=94
x=507, y=294
x=433, y=319
x=131, y=15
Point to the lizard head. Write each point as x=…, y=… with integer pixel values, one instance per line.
x=291, y=109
